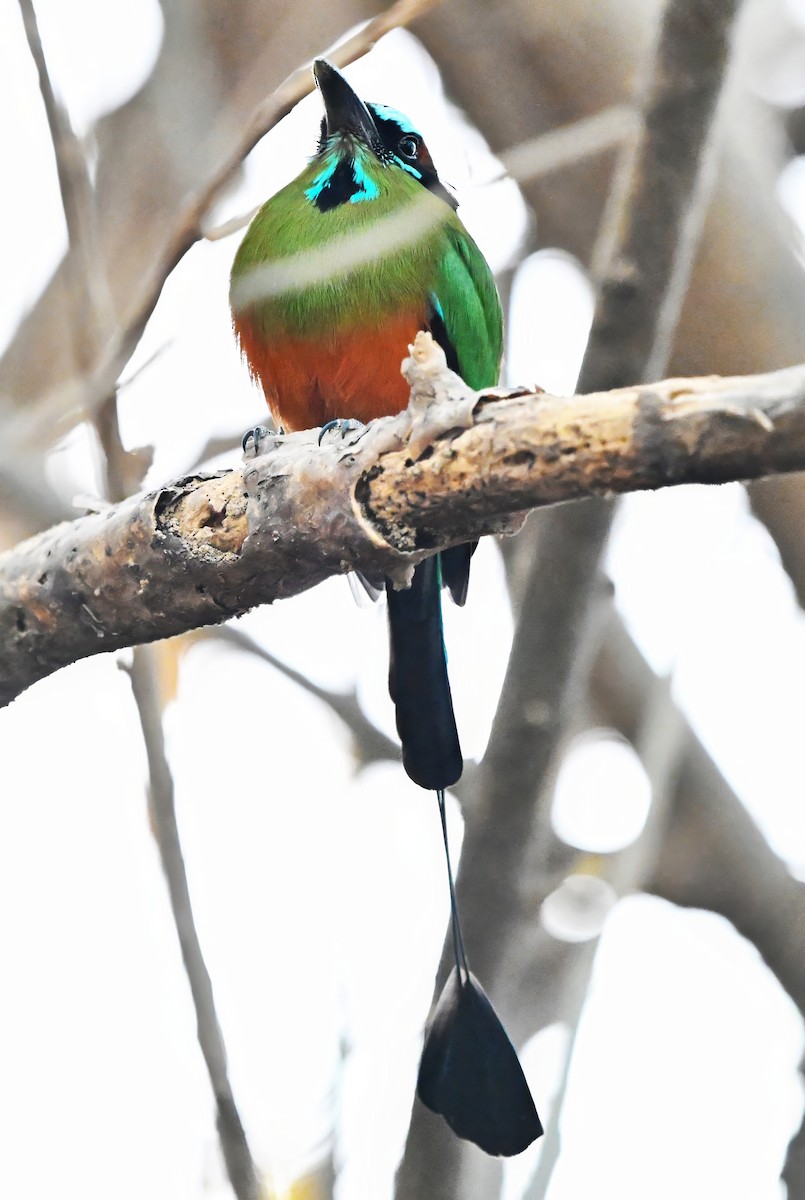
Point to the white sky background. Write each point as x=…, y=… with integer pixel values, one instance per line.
x=320, y=898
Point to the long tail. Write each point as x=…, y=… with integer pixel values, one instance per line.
x=420, y=688
x=469, y=1071
x=418, y=681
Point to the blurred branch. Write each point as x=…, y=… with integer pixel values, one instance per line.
x=205, y=548
x=659, y=740
x=711, y=855
x=745, y=307
x=89, y=294
x=705, y=851
x=780, y=505
x=214, y=446
x=711, y=848
x=237, y=1156
x=700, y=848
x=125, y=470
x=558, y=148
x=642, y=259
x=654, y=213
x=569, y=59
x=93, y=324
x=29, y=500
x=369, y=743
x=216, y=233
x=575, y=979
x=75, y=185
x=566, y=61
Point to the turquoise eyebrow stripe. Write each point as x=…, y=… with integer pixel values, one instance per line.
x=394, y=114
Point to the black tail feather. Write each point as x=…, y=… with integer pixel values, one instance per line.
x=456, y=570
x=418, y=681
x=470, y=1073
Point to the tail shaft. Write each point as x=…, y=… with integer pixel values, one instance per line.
x=459, y=953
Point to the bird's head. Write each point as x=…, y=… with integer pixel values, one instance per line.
x=358, y=139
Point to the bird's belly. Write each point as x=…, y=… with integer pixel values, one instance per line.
x=352, y=372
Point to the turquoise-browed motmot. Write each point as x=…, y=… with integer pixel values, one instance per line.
x=381, y=254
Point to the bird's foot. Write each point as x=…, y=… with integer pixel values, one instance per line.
x=341, y=427
x=253, y=439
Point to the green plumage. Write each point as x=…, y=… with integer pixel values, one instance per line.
x=293, y=276
x=469, y=300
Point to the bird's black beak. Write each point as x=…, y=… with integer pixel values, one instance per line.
x=345, y=111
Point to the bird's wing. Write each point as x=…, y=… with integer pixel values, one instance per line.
x=464, y=317
x=468, y=315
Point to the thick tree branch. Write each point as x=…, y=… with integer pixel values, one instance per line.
x=205, y=548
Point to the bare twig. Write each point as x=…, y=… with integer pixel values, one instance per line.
x=216, y=233
x=30, y=502
x=370, y=744
x=123, y=471
x=214, y=446
x=75, y=185
x=780, y=505
x=90, y=310
x=576, y=981
x=92, y=304
x=237, y=1156
x=569, y=144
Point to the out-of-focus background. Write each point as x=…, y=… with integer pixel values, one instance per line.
x=648, y=951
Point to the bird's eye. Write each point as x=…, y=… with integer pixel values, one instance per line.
x=408, y=147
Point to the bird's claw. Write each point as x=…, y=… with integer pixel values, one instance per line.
x=342, y=427
x=254, y=436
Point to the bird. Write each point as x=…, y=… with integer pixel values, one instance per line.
x=335, y=276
